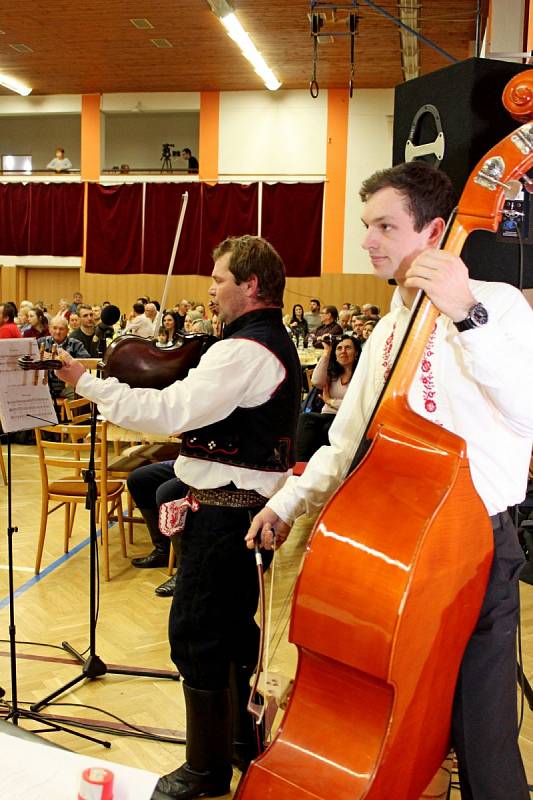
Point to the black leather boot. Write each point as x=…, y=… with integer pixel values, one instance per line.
x=159, y=555
x=245, y=746
x=167, y=588
x=207, y=771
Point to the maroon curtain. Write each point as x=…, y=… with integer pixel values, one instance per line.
x=291, y=221
x=162, y=210
x=114, y=228
x=14, y=219
x=56, y=219
x=228, y=209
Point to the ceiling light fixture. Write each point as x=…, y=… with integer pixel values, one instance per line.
x=235, y=31
x=14, y=85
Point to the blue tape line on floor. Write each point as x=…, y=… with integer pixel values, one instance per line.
x=53, y=566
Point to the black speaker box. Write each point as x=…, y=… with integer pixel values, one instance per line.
x=460, y=110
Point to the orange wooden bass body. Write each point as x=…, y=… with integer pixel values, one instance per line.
x=391, y=585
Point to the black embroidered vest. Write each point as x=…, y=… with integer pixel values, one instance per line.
x=261, y=437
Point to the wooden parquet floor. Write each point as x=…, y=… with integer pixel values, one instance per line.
x=132, y=629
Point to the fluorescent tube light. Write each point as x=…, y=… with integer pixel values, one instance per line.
x=250, y=51
x=14, y=85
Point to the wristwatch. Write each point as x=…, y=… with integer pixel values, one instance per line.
x=477, y=316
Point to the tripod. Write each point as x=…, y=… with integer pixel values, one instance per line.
x=167, y=164
x=93, y=666
x=16, y=713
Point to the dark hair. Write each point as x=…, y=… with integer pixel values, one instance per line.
x=252, y=255
x=315, y=300
x=9, y=311
x=428, y=191
x=294, y=318
x=334, y=368
x=186, y=150
x=177, y=324
x=41, y=319
x=138, y=308
x=143, y=300
x=157, y=304
x=333, y=311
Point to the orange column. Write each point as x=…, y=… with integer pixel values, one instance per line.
x=90, y=137
x=209, y=130
x=90, y=160
x=336, y=157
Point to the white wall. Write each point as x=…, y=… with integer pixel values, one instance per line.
x=136, y=138
x=272, y=133
x=369, y=149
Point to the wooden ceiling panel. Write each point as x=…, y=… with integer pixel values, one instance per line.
x=93, y=48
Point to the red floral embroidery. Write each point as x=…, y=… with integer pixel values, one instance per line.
x=386, y=354
x=428, y=381
x=426, y=378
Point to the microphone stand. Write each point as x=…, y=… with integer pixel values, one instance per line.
x=92, y=665
x=15, y=712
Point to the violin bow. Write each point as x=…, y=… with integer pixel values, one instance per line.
x=159, y=317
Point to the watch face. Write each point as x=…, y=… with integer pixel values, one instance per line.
x=479, y=315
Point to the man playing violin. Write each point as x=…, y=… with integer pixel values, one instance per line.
x=237, y=414
x=476, y=379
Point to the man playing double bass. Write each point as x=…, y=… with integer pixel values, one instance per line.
x=237, y=413
x=476, y=380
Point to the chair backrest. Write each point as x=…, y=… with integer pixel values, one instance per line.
x=72, y=454
x=78, y=411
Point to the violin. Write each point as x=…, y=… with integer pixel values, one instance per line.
x=141, y=364
x=381, y=618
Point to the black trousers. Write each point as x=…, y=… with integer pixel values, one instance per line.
x=212, y=616
x=484, y=720
x=154, y=484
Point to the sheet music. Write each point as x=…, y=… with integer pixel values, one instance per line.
x=22, y=405
x=33, y=770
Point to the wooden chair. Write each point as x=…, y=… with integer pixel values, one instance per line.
x=3, y=466
x=78, y=411
x=70, y=489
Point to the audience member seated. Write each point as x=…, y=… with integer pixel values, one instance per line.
x=63, y=309
x=332, y=375
x=370, y=311
x=97, y=313
x=202, y=326
x=345, y=316
x=313, y=317
x=357, y=323
x=73, y=321
x=150, y=312
x=329, y=327
x=138, y=323
x=170, y=328
x=38, y=324
x=85, y=332
x=8, y=327
x=60, y=163
x=298, y=325
x=77, y=298
x=22, y=320
x=190, y=317
x=217, y=326
x=59, y=336
x=368, y=327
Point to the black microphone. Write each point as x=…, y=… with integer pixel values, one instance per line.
x=104, y=330
x=110, y=315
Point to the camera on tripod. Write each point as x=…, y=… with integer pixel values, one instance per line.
x=167, y=152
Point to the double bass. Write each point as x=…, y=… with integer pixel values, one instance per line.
x=381, y=619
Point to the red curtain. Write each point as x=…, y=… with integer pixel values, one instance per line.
x=162, y=210
x=228, y=209
x=56, y=219
x=291, y=221
x=114, y=228
x=15, y=218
